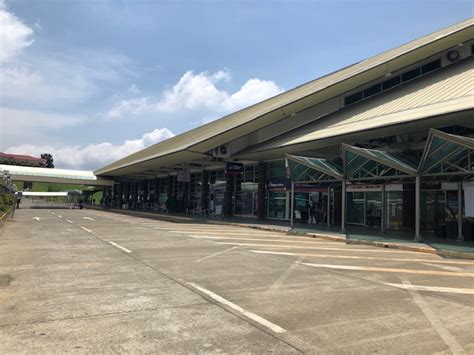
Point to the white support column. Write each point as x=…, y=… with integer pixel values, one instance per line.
x=343, y=207
x=417, y=210
x=328, y=211
x=383, y=216
x=460, y=235
x=292, y=203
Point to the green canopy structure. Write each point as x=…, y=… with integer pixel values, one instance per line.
x=448, y=156
x=313, y=170
x=363, y=164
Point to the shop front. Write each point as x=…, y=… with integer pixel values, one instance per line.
x=217, y=185
x=278, y=199
x=311, y=204
x=364, y=205
x=246, y=192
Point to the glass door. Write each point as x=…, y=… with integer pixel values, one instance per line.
x=394, y=210
x=277, y=205
x=433, y=208
x=356, y=208
x=373, y=209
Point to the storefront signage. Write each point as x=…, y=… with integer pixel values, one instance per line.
x=309, y=188
x=374, y=187
x=234, y=168
x=279, y=184
x=365, y=187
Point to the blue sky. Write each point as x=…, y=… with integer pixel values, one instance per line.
x=92, y=81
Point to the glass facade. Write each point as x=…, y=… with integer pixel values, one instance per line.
x=356, y=208
x=373, y=209
x=440, y=210
x=364, y=208
x=245, y=197
x=278, y=206
x=277, y=169
x=195, y=189
x=216, y=191
x=394, y=215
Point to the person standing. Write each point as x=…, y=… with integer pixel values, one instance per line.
x=312, y=212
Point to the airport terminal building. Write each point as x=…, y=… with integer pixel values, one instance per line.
x=386, y=143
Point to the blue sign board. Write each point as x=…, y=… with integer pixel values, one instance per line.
x=234, y=168
x=277, y=184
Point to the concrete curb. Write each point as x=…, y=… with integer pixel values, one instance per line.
x=4, y=216
x=400, y=246
x=420, y=249
x=342, y=239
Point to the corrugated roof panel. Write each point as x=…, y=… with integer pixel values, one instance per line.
x=446, y=91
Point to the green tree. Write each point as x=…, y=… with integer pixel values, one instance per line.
x=49, y=160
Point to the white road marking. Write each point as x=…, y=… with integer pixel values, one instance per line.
x=437, y=324
x=226, y=231
x=346, y=248
x=270, y=239
x=331, y=256
x=53, y=212
x=464, y=291
x=449, y=268
x=256, y=318
x=36, y=218
x=60, y=216
x=283, y=277
x=89, y=218
x=386, y=269
x=68, y=221
x=120, y=247
x=215, y=254
x=87, y=230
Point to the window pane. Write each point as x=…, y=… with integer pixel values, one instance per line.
x=353, y=98
x=375, y=89
x=431, y=66
x=411, y=75
x=390, y=83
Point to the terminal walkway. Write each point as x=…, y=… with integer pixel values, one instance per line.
x=354, y=235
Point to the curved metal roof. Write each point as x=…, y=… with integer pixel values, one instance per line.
x=82, y=177
x=197, y=142
x=447, y=91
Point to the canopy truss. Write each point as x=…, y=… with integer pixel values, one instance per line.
x=370, y=164
x=447, y=155
x=311, y=170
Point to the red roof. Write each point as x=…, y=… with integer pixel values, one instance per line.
x=20, y=157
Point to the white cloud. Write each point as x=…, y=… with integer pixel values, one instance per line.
x=131, y=107
x=199, y=93
x=19, y=125
x=193, y=92
x=93, y=156
x=61, y=80
x=14, y=35
x=253, y=91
